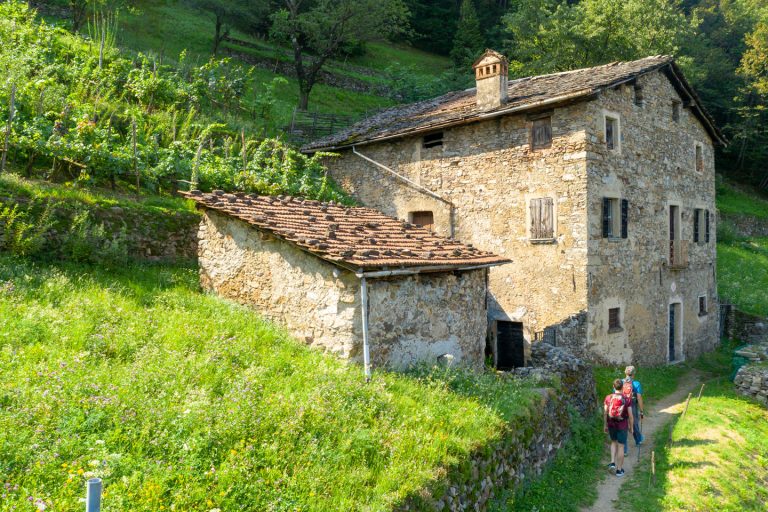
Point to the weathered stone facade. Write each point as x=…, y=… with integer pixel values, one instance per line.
x=752, y=380
x=487, y=173
x=412, y=318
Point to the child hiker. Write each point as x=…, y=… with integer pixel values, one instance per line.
x=617, y=420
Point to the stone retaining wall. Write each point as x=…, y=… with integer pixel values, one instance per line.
x=521, y=454
x=746, y=225
x=147, y=235
x=748, y=328
x=752, y=380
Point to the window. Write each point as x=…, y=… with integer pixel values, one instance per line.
x=432, y=140
x=615, y=217
x=700, y=226
x=542, y=219
x=541, y=133
x=676, y=111
x=639, y=95
x=702, y=305
x=614, y=320
x=612, y=133
x=699, y=158
x=423, y=219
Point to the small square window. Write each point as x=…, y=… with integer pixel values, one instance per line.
x=699, y=158
x=611, y=133
x=425, y=219
x=676, y=111
x=541, y=133
x=614, y=320
x=432, y=140
x=703, y=305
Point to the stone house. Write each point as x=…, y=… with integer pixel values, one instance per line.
x=349, y=280
x=598, y=183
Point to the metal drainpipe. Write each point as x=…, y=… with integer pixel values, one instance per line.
x=423, y=190
x=366, y=348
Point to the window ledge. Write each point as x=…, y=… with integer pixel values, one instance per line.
x=614, y=239
x=543, y=240
x=703, y=314
x=614, y=330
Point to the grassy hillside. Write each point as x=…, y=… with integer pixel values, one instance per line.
x=183, y=401
x=741, y=201
x=168, y=28
x=717, y=460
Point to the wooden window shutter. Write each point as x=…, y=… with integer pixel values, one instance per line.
x=696, y=220
x=624, y=217
x=541, y=133
x=542, y=218
x=607, y=220
x=706, y=226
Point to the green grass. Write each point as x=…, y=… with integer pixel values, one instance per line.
x=569, y=481
x=183, y=401
x=742, y=274
x=735, y=201
x=718, y=459
x=12, y=185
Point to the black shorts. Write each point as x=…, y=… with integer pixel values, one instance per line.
x=617, y=435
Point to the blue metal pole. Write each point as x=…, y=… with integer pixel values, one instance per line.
x=93, y=497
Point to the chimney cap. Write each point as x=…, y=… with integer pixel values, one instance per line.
x=490, y=57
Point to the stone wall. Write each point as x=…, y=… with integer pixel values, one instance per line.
x=147, y=235
x=752, y=380
x=748, y=328
x=518, y=456
x=419, y=318
x=411, y=318
x=653, y=167
x=746, y=226
x=575, y=375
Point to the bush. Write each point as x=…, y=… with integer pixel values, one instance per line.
x=21, y=233
x=726, y=232
x=87, y=242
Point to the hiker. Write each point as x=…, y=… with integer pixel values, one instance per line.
x=634, y=390
x=617, y=419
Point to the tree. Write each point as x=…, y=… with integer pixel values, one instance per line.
x=324, y=27
x=469, y=40
x=434, y=24
x=242, y=14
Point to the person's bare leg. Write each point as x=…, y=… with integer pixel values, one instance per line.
x=614, y=449
x=619, y=457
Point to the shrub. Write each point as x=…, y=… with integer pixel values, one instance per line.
x=87, y=242
x=21, y=233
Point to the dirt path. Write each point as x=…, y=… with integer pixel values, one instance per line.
x=656, y=416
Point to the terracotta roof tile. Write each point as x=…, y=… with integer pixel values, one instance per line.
x=525, y=93
x=350, y=236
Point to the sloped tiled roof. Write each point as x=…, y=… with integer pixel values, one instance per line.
x=523, y=94
x=353, y=237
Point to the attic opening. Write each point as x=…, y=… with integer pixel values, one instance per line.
x=425, y=219
x=432, y=140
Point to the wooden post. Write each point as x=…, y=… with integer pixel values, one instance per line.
x=135, y=163
x=653, y=467
x=686, y=405
x=11, y=112
x=700, y=391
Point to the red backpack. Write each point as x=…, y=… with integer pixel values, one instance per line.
x=627, y=389
x=617, y=406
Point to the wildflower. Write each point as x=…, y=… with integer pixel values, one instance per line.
x=99, y=441
x=80, y=471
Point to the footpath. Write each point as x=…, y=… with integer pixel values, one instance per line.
x=656, y=416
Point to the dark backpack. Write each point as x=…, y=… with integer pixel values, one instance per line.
x=617, y=407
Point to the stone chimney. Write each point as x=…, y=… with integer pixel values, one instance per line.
x=491, y=71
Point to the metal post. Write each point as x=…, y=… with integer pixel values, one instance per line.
x=93, y=497
x=364, y=305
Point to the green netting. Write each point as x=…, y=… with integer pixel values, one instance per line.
x=737, y=361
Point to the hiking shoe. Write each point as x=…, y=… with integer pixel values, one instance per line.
x=612, y=466
x=620, y=473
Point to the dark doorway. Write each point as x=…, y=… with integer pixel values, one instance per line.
x=510, y=345
x=675, y=331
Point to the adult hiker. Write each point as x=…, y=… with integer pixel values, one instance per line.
x=617, y=419
x=634, y=390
